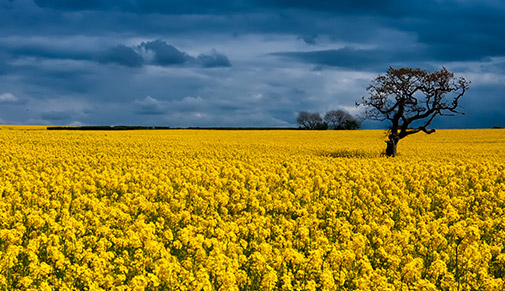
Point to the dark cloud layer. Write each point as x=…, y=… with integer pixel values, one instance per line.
x=165, y=54
x=345, y=57
x=147, y=6
x=168, y=55
x=213, y=60
x=207, y=6
x=249, y=62
x=121, y=55
x=364, y=59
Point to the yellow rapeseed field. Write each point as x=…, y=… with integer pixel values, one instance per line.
x=251, y=210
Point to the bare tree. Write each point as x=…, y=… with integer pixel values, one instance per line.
x=408, y=96
x=310, y=120
x=341, y=119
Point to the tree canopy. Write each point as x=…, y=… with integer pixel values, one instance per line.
x=410, y=99
x=341, y=119
x=310, y=120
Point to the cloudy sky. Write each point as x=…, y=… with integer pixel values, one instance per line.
x=186, y=63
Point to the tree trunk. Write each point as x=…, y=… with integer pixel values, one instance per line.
x=392, y=144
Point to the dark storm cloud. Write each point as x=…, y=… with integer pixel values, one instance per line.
x=44, y=49
x=213, y=60
x=185, y=6
x=449, y=30
x=147, y=6
x=210, y=6
x=51, y=53
x=51, y=77
x=70, y=4
x=372, y=7
x=160, y=53
x=121, y=55
x=359, y=59
x=165, y=54
x=345, y=57
x=468, y=31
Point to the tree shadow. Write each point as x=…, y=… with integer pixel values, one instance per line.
x=351, y=154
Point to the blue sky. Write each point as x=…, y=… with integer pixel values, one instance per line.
x=186, y=63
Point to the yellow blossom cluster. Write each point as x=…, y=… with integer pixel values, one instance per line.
x=251, y=210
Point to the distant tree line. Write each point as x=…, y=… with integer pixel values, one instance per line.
x=105, y=127
x=333, y=119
